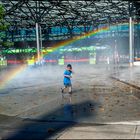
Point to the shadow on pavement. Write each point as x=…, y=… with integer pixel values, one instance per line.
x=54, y=123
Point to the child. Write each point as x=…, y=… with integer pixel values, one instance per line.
x=67, y=79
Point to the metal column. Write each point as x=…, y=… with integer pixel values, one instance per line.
x=37, y=41
x=41, y=53
x=131, y=49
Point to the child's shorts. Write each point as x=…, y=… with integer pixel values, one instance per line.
x=67, y=85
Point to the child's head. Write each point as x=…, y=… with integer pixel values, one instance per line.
x=69, y=67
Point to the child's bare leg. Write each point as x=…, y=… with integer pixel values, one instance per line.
x=70, y=89
x=62, y=89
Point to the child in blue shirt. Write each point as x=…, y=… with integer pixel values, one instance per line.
x=67, y=79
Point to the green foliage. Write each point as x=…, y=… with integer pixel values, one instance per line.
x=1, y=12
x=7, y=43
x=3, y=28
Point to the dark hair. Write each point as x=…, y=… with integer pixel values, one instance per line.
x=69, y=65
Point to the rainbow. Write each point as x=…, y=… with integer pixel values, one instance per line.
x=13, y=73
x=83, y=36
x=69, y=41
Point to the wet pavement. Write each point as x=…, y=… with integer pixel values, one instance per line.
x=103, y=99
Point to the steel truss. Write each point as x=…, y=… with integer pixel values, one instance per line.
x=66, y=13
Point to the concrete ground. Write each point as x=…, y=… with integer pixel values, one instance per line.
x=104, y=104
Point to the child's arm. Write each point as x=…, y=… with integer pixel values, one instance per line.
x=67, y=76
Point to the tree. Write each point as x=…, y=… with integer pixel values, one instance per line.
x=3, y=28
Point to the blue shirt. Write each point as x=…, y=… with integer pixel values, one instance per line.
x=67, y=80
